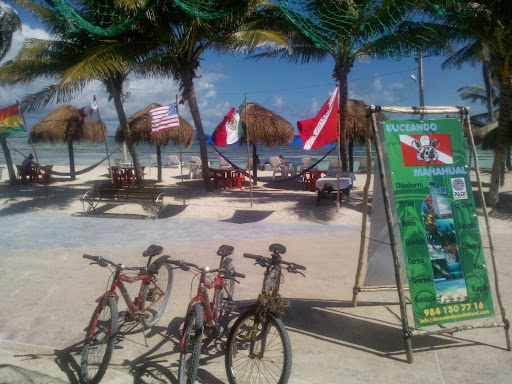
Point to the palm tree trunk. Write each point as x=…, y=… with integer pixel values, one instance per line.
x=159, y=162
x=71, y=159
x=8, y=160
x=341, y=72
x=189, y=95
x=505, y=118
x=116, y=95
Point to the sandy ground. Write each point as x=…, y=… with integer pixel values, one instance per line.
x=48, y=292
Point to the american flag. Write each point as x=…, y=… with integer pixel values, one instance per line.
x=164, y=117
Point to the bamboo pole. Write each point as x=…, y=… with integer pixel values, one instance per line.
x=338, y=193
x=362, y=243
x=488, y=227
x=181, y=155
x=394, y=251
x=248, y=156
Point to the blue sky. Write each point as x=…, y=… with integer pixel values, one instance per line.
x=294, y=91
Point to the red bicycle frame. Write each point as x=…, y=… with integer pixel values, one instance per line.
x=202, y=297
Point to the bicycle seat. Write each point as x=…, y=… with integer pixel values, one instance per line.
x=152, y=250
x=281, y=249
x=225, y=250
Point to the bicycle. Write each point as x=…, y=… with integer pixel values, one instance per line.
x=147, y=307
x=258, y=348
x=201, y=312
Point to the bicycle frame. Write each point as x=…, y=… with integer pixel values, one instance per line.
x=118, y=283
x=203, y=298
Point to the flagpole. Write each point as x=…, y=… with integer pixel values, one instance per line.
x=181, y=160
x=338, y=193
x=104, y=136
x=249, y=165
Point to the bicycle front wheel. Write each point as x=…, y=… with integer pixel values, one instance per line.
x=154, y=298
x=258, y=351
x=99, y=341
x=193, y=334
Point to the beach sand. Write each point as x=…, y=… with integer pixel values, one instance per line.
x=48, y=291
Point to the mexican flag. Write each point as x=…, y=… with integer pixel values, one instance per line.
x=230, y=129
x=10, y=121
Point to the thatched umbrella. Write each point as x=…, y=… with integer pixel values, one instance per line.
x=265, y=127
x=140, y=128
x=64, y=125
x=356, y=123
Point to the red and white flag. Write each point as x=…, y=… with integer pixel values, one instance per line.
x=90, y=113
x=430, y=149
x=230, y=129
x=164, y=117
x=322, y=129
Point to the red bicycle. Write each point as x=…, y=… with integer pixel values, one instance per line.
x=147, y=307
x=202, y=313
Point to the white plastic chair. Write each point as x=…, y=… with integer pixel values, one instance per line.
x=223, y=163
x=333, y=162
x=174, y=162
x=276, y=166
x=307, y=162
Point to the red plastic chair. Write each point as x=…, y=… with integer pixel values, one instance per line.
x=306, y=181
x=237, y=177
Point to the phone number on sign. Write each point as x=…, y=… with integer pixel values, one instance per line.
x=455, y=311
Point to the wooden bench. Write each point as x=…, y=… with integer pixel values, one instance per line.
x=150, y=197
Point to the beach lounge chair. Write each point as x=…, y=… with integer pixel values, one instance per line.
x=276, y=166
x=195, y=166
x=224, y=163
x=154, y=161
x=174, y=162
x=117, y=162
x=363, y=165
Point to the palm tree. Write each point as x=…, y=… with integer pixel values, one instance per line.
x=182, y=38
x=483, y=31
x=9, y=23
x=75, y=58
x=319, y=29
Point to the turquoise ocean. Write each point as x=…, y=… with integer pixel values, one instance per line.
x=87, y=154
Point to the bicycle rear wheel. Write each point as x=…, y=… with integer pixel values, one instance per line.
x=189, y=357
x=99, y=341
x=258, y=351
x=221, y=308
x=156, y=298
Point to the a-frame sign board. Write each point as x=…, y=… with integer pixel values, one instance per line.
x=433, y=210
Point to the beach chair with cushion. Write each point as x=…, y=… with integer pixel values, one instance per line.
x=174, y=162
x=276, y=166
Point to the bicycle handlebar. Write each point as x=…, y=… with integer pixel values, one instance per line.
x=186, y=266
x=105, y=262
x=266, y=261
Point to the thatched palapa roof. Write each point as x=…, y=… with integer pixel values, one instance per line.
x=64, y=124
x=140, y=129
x=265, y=126
x=357, y=121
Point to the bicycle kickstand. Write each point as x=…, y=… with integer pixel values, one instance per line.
x=143, y=331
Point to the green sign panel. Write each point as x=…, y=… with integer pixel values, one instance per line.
x=437, y=219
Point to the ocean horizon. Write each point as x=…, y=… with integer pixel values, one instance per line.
x=86, y=154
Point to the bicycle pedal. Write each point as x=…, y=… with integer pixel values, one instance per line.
x=283, y=303
x=229, y=306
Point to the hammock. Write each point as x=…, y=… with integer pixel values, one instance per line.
x=246, y=174
x=81, y=172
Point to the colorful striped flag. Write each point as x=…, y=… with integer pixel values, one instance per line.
x=230, y=130
x=164, y=117
x=10, y=121
x=90, y=113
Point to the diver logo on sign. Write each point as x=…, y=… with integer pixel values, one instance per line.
x=459, y=189
x=432, y=149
